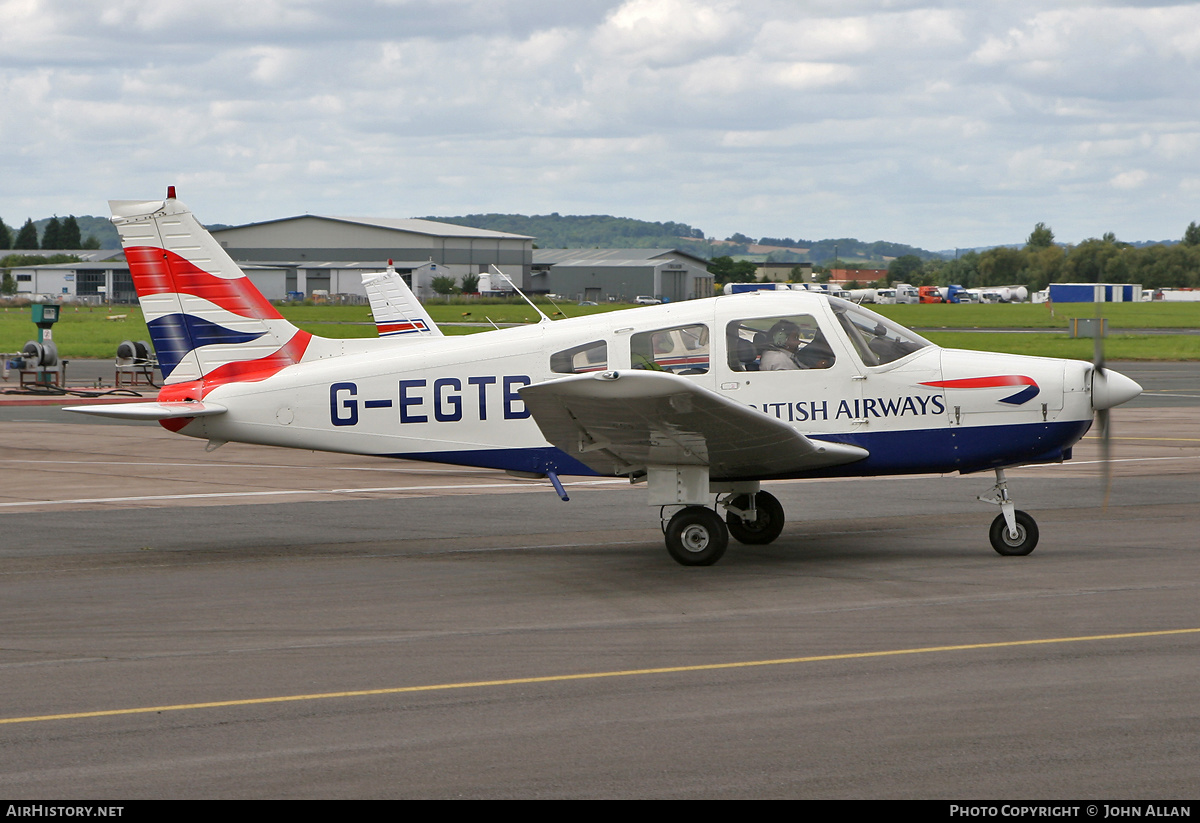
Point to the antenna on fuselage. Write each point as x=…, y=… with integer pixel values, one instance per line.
x=516, y=288
x=557, y=307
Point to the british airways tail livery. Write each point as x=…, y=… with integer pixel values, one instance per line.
x=700, y=400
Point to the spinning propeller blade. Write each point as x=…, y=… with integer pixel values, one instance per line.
x=1103, y=415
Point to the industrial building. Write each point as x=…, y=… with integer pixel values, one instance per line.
x=99, y=276
x=328, y=254
x=785, y=272
x=620, y=274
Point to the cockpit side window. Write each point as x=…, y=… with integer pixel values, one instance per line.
x=682, y=350
x=586, y=358
x=777, y=344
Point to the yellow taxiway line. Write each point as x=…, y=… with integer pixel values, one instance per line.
x=562, y=678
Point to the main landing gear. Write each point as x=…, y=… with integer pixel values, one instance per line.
x=1014, y=533
x=697, y=536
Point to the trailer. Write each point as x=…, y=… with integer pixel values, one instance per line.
x=1177, y=295
x=742, y=288
x=1095, y=292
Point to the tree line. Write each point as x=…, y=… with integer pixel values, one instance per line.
x=1038, y=263
x=1041, y=261
x=58, y=234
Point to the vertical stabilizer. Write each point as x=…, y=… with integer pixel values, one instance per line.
x=396, y=309
x=207, y=320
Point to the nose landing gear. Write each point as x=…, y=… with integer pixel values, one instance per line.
x=1013, y=533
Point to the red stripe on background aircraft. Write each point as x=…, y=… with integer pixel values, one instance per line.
x=701, y=400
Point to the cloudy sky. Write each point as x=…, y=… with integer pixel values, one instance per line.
x=939, y=124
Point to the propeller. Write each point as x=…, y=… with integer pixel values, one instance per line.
x=1109, y=388
x=1103, y=414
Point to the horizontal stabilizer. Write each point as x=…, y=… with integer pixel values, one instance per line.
x=620, y=422
x=150, y=411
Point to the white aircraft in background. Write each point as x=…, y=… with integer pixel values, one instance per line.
x=701, y=400
x=396, y=310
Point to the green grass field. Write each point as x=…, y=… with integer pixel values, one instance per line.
x=89, y=333
x=1043, y=316
x=1116, y=346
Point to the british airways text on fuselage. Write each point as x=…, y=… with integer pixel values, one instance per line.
x=802, y=411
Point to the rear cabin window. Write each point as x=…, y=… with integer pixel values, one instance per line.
x=586, y=358
x=681, y=350
x=784, y=343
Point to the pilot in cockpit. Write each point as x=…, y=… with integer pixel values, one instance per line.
x=783, y=342
x=784, y=351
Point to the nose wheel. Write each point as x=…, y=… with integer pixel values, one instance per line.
x=696, y=536
x=1014, y=533
x=1006, y=543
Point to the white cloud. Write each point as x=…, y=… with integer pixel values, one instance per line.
x=1133, y=179
x=934, y=123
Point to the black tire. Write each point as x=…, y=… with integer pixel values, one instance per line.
x=1027, y=536
x=697, y=536
x=767, y=525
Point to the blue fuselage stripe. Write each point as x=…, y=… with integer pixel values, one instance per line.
x=943, y=450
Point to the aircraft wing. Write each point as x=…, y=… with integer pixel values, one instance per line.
x=150, y=411
x=619, y=422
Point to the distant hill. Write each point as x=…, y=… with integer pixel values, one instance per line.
x=850, y=248
x=1137, y=244
x=554, y=231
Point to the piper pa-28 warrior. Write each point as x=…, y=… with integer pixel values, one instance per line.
x=702, y=400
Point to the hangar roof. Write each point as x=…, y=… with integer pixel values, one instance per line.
x=608, y=257
x=407, y=224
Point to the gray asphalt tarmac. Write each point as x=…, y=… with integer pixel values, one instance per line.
x=268, y=623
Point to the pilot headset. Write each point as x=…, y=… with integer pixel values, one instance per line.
x=781, y=331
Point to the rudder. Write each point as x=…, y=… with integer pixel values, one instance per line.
x=207, y=320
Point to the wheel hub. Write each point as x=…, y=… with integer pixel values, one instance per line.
x=695, y=538
x=1015, y=541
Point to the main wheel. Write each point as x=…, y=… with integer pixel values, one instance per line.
x=767, y=524
x=1027, y=536
x=696, y=536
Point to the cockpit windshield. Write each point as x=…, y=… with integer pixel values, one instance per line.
x=877, y=339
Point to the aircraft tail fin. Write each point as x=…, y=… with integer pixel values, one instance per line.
x=396, y=309
x=209, y=324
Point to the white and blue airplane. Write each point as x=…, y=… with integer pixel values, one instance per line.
x=701, y=400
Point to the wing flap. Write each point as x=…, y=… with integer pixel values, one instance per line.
x=619, y=422
x=150, y=411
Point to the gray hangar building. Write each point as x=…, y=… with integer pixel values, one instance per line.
x=314, y=252
x=311, y=252
x=621, y=274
